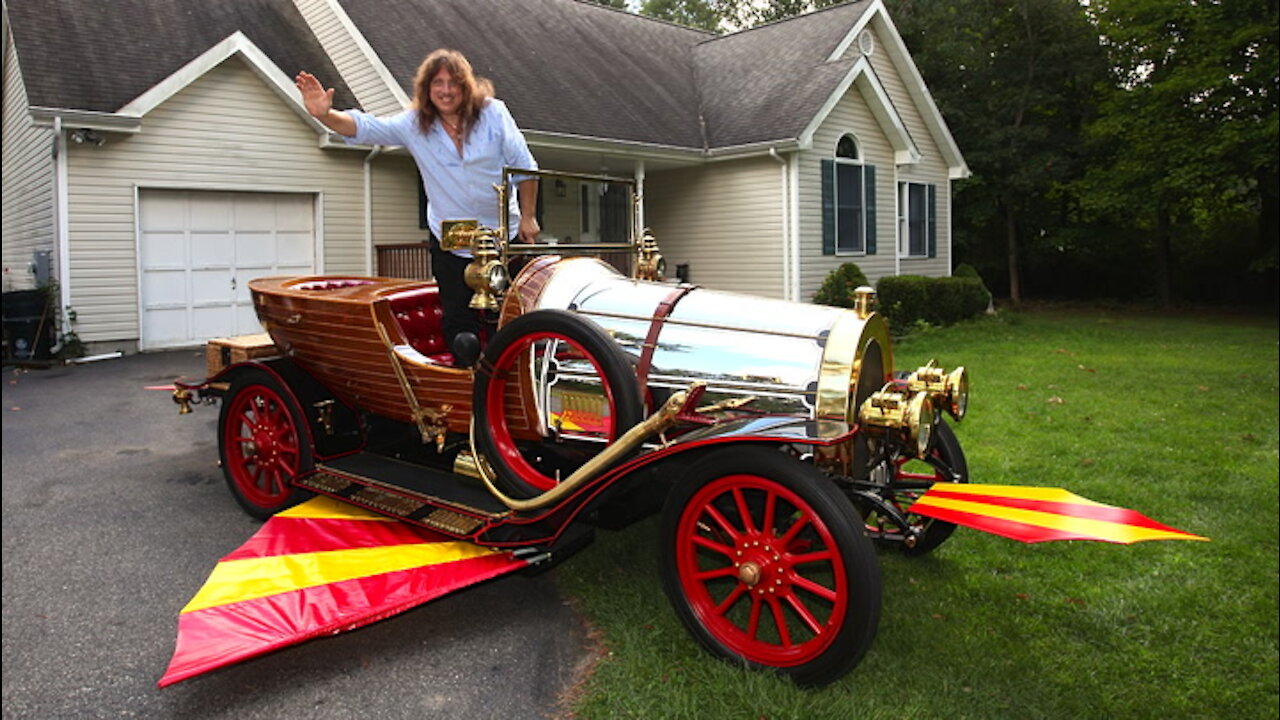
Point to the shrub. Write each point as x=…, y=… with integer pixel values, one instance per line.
x=908, y=300
x=837, y=289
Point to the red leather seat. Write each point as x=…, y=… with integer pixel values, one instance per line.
x=418, y=313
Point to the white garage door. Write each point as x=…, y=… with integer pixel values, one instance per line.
x=199, y=250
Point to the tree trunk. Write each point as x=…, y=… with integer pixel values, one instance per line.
x=1011, y=237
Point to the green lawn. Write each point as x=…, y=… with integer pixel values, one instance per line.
x=1171, y=415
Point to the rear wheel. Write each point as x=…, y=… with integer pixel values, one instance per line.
x=264, y=445
x=765, y=564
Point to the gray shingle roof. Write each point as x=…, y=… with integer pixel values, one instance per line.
x=563, y=66
x=768, y=83
x=96, y=55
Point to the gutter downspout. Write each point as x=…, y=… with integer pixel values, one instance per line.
x=60, y=223
x=787, y=290
x=640, y=194
x=368, y=208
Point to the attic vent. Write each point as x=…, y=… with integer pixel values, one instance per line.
x=866, y=42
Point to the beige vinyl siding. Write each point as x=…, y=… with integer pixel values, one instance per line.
x=851, y=116
x=28, y=181
x=348, y=56
x=395, y=201
x=725, y=220
x=225, y=131
x=931, y=169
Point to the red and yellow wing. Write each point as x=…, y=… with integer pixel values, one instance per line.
x=317, y=569
x=1036, y=514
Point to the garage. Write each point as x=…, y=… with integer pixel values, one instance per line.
x=199, y=249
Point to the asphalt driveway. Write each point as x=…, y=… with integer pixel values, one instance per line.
x=114, y=512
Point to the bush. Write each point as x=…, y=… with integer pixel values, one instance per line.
x=908, y=300
x=837, y=289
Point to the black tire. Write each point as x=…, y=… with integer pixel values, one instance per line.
x=264, y=444
x=518, y=473
x=947, y=463
x=767, y=565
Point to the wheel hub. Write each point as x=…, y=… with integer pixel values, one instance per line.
x=762, y=567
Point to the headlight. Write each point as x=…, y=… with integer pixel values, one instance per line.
x=499, y=278
x=907, y=417
x=948, y=391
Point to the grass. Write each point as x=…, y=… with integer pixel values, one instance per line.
x=1173, y=416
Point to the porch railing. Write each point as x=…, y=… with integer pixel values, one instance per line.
x=410, y=260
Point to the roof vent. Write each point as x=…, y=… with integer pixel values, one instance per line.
x=866, y=42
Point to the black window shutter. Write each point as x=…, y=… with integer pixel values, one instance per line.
x=828, y=207
x=932, y=219
x=869, y=189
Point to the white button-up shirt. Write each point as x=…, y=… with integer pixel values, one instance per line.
x=458, y=188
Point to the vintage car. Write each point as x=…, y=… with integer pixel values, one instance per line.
x=775, y=438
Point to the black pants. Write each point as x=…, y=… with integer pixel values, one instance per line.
x=455, y=295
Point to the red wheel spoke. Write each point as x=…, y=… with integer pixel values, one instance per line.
x=770, y=510
x=753, y=621
x=806, y=558
x=743, y=511
x=712, y=545
x=729, y=571
x=732, y=598
x=722, y=522
x=803, y=582
x=780, y=620
x=795, y=529
x=806, y=617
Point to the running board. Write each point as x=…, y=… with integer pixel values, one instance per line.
x=422, y=495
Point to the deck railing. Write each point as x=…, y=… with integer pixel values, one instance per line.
x=410, y=260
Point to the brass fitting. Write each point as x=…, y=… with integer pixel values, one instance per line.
x=649, y=262
x=486, y=275
x=863, y=297
x=948, y=391
x=909, y=417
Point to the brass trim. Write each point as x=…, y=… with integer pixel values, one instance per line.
x=664, y=418
x=387, y=502
x=453, y=522
x=842, y=363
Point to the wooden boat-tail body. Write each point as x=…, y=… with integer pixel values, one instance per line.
x=351, y=333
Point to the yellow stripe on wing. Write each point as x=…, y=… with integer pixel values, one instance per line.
x=249, y=578
x=1097, y=529
x=1021, y=492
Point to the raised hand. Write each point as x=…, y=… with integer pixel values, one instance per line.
x=315, y=98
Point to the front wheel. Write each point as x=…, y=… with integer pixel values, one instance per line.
x=765, y=563
x=264, y=445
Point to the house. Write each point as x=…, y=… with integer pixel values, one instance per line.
x=157, y=153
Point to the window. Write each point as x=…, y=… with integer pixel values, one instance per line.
x=917, y=224
x=850, y=222
x=848, y=201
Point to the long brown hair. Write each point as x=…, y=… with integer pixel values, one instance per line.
x=475, y=90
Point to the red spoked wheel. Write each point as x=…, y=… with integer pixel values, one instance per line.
x=584, y=393
x=264, y=445
x=945, y=462
x=765, y=563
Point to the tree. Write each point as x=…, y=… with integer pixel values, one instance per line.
x=701, y=14
x=1014, y=79
x=1186, y=141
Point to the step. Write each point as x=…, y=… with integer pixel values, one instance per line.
x=424, y=495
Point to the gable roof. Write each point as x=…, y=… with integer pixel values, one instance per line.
x=97, y=56
x=563, y=67
x=567, y=68
x=766, y=83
